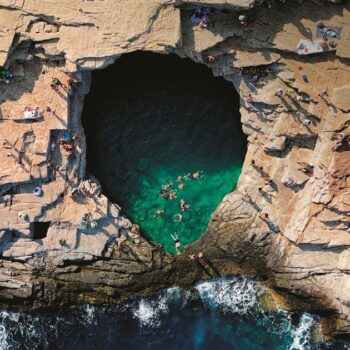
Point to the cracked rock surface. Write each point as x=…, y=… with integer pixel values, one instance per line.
x=91, y=253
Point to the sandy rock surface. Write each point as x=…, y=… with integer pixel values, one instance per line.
x=91, y=253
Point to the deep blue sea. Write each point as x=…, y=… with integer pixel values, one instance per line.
x=220, y=314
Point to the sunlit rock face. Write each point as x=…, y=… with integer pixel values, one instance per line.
x=148, y=120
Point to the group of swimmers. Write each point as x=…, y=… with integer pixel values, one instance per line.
x=169, y=192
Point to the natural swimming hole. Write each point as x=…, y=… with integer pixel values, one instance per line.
x=151, y=118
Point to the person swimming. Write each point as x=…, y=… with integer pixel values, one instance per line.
x=181, y=186
x=194, y=176
x=197, y=175
x=177, y=217
x=158, y=213
x=176, y=241
x=167, y=186
x=172, y=195
x=165, y=191
x=164, y=194
x=183, y=205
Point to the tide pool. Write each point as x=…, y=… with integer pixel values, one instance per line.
x=151, y=118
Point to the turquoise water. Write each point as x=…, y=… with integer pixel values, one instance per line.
x=151, y=118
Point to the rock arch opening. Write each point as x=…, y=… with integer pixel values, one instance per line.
x=151, y=118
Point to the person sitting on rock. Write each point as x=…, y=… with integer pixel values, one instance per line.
x=289, y=183
x=211, y=58
x=264, y=216
x=323, y=94
x=306, y=168
x=338, y=144
x=38, y=191
x=267, y=179
x=252, y=163
x=250, y=99
x=204, y=21
x=69, y=149
x=243, y=20
x=74, y=192
x=339, y=136
x=279, y=92
x=55, y=84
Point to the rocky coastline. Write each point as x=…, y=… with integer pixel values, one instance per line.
x=285, y=222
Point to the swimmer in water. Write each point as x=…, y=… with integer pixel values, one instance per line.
x=197, y=175
x=181, y=187
x=188, y=176
x=177, y=217
x=176, y=241
x=179, y=179
x=159, y=213
x=172, y=195
x=183, y=205
x=167, y=186
x=164, y=194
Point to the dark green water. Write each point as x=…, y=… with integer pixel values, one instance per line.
x=150, y=118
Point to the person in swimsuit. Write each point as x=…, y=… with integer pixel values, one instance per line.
x=176, y=241
x=177, y=217
x=158, y=213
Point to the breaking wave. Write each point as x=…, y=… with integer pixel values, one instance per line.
x=236, y=295
x=302, y=334
x=225, y=313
